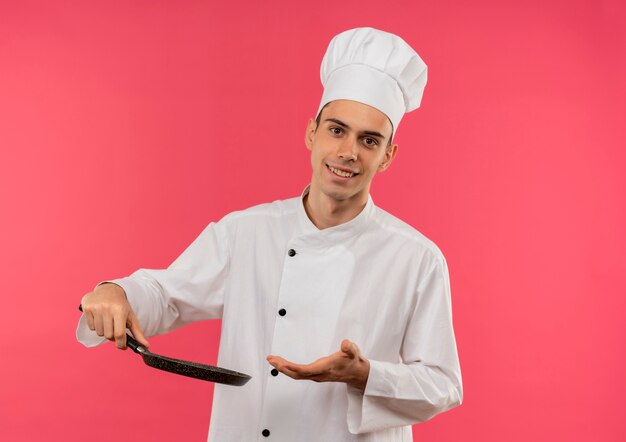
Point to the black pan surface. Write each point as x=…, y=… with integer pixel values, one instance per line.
x=186, y=368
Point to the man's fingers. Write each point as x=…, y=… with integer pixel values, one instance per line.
x=97, y=323
x=276, y=361
x=107, y=325
x=295, y=374
x=135, y=328
x=302, y=373
x=297, y=371
x=89, y=318
x=350, y=348
x=119, y=334
x=282, y=365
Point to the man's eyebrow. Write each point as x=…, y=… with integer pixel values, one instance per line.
x=339, y=122
x=374, y=134
x=367, y=132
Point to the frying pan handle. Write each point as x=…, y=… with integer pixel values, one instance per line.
x=130, y=341
x=134, y=345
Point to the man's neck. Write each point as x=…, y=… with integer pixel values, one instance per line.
x=325, y=212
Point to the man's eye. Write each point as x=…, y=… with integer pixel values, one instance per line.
x=370, y=142
x=336, y=130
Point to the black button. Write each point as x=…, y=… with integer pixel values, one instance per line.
x=274, y=372
x=265, y=432
x=282, y=312
x=291, y=252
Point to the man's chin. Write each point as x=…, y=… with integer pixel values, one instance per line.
x=339, y=192
x=339, y=195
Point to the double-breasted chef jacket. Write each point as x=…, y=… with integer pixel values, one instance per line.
x=284, y=287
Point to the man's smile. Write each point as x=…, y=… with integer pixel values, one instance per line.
x=344, y=173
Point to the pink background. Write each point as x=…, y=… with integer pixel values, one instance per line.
x=126, y=126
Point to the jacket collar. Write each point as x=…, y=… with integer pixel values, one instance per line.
x=308, y=232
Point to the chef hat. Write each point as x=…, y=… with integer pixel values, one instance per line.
x=375, y=68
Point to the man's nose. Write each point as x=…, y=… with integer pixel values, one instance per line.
x=348, y=149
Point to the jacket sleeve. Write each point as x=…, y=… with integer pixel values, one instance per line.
x=190, y=289
x=426, y=379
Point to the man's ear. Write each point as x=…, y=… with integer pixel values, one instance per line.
x=390, y=153
x=310, y=132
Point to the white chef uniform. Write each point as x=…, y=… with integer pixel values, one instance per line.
x=286, y=288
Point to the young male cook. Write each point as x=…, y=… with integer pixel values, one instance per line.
x=324, y=287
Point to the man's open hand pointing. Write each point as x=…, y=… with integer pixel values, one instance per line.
x=347, y=365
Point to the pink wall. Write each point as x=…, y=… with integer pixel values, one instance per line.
x=126, y=126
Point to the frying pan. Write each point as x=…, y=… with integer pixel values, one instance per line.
x=186, y=368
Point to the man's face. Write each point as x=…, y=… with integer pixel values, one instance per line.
x=348, y=147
